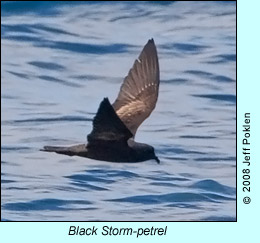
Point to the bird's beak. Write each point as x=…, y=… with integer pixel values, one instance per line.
x=157, y=160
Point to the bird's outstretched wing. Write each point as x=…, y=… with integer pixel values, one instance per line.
x=107, y=127
x=139, y=92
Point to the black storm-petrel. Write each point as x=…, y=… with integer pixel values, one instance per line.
x=114, y=126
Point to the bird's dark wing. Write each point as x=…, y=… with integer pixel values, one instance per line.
x=139, y=91
x=107, y=126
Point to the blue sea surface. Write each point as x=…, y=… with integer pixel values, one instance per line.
x=60, y=59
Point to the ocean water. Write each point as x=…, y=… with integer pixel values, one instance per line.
x=60, y=59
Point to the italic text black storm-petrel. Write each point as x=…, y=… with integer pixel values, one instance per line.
x=115, y=126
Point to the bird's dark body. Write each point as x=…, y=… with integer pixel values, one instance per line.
x=109, y=152
x=114, y=126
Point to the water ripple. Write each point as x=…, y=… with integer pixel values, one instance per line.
x=47, y=119
x=45, y=204
x=174, y=197
x=213, y=186
x=47, y=65
x=220, y=97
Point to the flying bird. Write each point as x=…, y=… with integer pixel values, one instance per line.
x=115, y=126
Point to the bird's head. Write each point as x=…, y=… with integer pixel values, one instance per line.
x=146, y=152
x=152, y=154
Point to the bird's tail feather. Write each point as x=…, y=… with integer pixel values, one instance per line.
x=78, y=149
x=57, y=149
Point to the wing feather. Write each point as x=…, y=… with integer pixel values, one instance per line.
x=107, y=126
x=139, y=92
